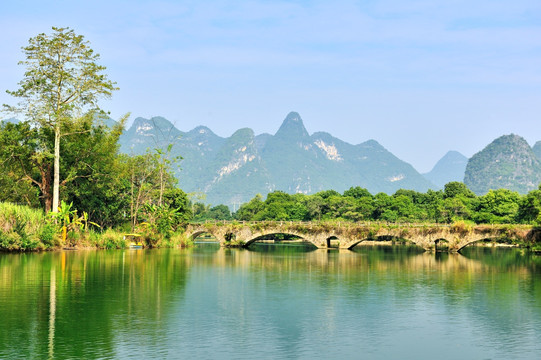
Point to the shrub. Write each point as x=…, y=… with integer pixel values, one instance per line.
x=461, y=227
x=110, y=239
x=178, y=240
x=10, y=241
x=48, y=236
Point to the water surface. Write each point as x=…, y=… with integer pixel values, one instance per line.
x=272, y=301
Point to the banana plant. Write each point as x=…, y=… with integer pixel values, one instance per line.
x=85, y=222
x=67, y=220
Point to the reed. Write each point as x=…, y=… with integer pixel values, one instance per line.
x=11, y=215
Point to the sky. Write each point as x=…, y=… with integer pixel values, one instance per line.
x=421, y=77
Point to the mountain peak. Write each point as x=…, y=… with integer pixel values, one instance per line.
x=372, y=144
x=202, y=134
x=450, y=167
x=201, y=130
x=451, y=157
x=508, y=162
x=292, y=127
x=156, y=122
x=156, y=128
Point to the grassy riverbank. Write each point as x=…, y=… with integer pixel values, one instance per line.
x=26, y=229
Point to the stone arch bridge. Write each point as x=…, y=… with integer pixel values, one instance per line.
x=348, y=235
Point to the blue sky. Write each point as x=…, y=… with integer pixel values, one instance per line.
x=420, y=77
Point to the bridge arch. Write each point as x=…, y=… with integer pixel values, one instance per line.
x=261, y=235
x=480, y=239
x=330, y=239
x=356, y=242
x=198, y=233
x=444, y=244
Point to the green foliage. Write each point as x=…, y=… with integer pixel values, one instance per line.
x=282, y=206
x=179, y=239
x=453, y=209
x=357, y=192
x=204, y=212
x=454, y=204
x=20, y=227
x=25, y=163
x=161, y=221
x=109, y=239
x=61, y=76
x=67, y=222
x=49, y=236
x=529, y=210
x=177, y=200
x=497, y=206
x=249, y=210
x=455, y=189
x=95, y=176
x=92, y=176
x=14, y=241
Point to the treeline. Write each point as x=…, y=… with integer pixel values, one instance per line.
x=454, y=203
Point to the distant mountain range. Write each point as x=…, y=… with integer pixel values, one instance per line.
x=233, y=170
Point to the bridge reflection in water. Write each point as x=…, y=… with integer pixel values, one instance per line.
x=347, y=235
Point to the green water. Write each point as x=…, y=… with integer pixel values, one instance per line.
x=271, y=302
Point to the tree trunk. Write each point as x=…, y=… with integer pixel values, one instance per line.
x=161, y=187
x=46, y=193
x=45, y=186
x=132, y=207
x=56, y=181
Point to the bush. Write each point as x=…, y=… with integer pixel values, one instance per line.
x=10, y=241
x=20, y=227
x=48, y=236
x=110, y=239
x=179, y=239
x=462, y=227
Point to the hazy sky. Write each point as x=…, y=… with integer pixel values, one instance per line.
x=421, y=77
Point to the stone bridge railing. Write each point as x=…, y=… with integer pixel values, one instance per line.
x=350, y=234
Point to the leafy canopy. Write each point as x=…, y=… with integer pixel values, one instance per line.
x=62, y=78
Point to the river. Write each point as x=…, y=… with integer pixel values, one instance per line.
x=271, y=301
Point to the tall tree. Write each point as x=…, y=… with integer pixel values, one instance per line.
x=62, y=81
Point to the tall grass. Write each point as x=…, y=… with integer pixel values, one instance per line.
x=108, y=239
x=23, y=228
x=11, y=214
